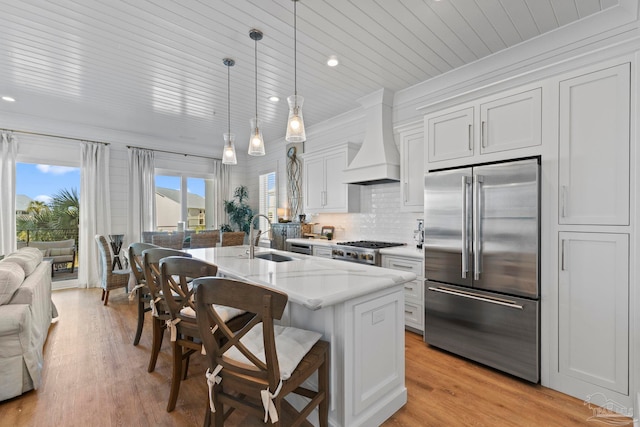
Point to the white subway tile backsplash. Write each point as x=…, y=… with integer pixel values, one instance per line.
x=379, y=218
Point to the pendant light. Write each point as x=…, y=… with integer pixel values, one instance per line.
x=295, y=124
x=256, y=143
x=229, y=152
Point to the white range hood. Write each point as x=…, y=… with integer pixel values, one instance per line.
x=378, y=160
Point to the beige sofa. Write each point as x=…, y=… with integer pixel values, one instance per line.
x=26, y=312
x=61, y=252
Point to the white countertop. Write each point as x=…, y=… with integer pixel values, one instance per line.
x=313, y=282
x=406, y=251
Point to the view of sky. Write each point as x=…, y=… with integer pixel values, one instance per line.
x=41, y=182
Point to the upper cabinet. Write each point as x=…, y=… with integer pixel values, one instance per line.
x=594, y=148
x=450, y=135
x=488, y=125
x=412, y=168
x=323, y=181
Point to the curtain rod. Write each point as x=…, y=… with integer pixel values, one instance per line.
x=174, y=152
x=54, y=136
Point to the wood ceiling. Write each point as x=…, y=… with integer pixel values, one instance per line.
x=154, y=67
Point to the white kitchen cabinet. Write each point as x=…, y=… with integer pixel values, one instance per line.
x=593, y=310
x=322, y=251
x=450, y=135
x=413, y=291
x=412, y=168
x=511, y=122
x=504, y=122
x=323, y=181
x=594, y=148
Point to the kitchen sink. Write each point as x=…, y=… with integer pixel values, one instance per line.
x=275, y=257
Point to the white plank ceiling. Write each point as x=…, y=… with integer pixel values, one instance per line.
x=154, y=67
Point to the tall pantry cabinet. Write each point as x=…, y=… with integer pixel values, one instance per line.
x=593, y=233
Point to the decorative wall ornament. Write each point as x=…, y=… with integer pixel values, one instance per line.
x=294, y=178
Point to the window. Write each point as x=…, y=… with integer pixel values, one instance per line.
x=181, y=198
x=268, y=198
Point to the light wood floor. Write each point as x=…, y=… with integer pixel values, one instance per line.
x=94, y=376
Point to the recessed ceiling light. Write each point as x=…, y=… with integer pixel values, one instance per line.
x=273, y=98
x=332, y=61
x=8, y=99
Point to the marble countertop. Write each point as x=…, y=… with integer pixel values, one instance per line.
x=406, y=251
x=313, y=282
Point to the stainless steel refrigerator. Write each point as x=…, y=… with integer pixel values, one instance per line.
x=482, y=239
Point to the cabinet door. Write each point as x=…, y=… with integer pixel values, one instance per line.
x=314, y=184
x=511, y=122
x=335, y=198
x=594, y=308
x=594, y=148
x=450, y=136
x=412, y=171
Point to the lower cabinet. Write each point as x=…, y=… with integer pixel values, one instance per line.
x=593, y=309
x=413, y=291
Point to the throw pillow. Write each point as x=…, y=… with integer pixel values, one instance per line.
x=11, y=277
x=27, y=261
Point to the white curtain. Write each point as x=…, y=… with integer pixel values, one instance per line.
x=95, y=210
x=222, y=178
x=142, y=190
x=8, y=193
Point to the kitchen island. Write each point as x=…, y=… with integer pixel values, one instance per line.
x=359, y=309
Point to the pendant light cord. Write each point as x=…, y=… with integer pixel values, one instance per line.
x=256, y=74
x=229, y=98
x=295, y=48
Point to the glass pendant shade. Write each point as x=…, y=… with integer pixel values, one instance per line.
x=295, y=124
x=256, y=143
x=229, y=151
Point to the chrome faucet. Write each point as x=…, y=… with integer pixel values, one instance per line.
x=252, y=248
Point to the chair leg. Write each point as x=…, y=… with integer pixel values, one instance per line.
x=207, y=416
x=106, y=297
x=158, y=335
x=141, y=312
x=176, y=377
x=323, y=386
x=103, y=292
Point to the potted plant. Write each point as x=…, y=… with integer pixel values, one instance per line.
x=240, y=213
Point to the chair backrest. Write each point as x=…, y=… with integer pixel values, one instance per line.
x=105, y=258
x=135, y=259
x=147, y=236
x=205, y=239
x=171, y=241
x=151, y=262
x=232, y=238
x=267, y=304
x=175, y=274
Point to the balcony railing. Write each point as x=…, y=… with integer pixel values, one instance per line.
x=46, y=235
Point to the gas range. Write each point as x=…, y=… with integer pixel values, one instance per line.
x=361, y=251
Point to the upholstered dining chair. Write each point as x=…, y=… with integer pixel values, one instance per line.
x=205, y=239
x=151, y=262
x=109, y=279
x=232, y=238
x=261, y=361
x=140, y=290
x=171, y=241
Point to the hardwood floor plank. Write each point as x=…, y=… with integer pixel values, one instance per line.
x=93, y=375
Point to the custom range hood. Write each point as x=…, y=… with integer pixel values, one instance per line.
x=378, y=160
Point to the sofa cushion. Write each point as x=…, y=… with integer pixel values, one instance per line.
x=60, y=251
x=11, y=277
x=28, y=261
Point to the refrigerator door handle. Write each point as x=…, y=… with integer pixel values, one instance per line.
x=478, y=297
x=465, y=226
x=477, y=212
